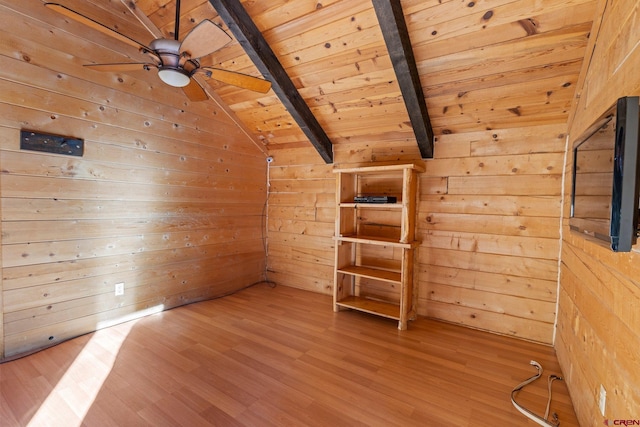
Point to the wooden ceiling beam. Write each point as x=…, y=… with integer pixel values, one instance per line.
x=396, y=37
x=245, y=31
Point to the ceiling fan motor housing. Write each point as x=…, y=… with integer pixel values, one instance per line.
x=175, y=68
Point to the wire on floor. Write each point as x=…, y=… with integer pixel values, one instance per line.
x=526, y=412
x=265, y=224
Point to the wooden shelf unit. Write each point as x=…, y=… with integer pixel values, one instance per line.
x=375, y=243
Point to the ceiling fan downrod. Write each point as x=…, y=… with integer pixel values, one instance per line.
x=177, y=29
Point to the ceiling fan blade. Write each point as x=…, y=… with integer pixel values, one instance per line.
x=244, y=81
x=95, y=25
x=143, y=19
x=203, y=39
x=121, y=66
x=194, y=91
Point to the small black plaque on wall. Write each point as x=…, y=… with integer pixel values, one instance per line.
x=51, y=143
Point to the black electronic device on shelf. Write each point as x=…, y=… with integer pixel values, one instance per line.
x=375, y=199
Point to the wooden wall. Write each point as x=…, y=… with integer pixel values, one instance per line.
x=301, y=220
x=489, y=223
x=598, y=322
x=168, y=197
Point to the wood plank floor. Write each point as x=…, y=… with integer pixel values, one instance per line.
x=278, y=357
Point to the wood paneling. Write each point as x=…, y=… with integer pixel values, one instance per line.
x=276, y=356
x=598, y=323
x=168, y=197
x=301, y=220
x=489, y=253
x=493, y=65
x=488, y=223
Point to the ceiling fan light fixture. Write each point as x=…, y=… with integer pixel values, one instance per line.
x=174, y=77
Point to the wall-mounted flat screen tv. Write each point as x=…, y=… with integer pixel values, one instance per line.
x=604, y=200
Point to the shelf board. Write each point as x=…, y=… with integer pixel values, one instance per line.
x=372, y=273
x=381, y=168
x=375, y=240
x=371, y=306
x=372, y=205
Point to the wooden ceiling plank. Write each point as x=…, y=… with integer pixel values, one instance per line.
x=513, y=78
x=569, y=52
x=310, y=50
x=501, y=33
x=348, y=32
x=544, y=89
x=451, y=21
x=287, y=12
x=327, y=14
x=396, y=36
x=254, y=44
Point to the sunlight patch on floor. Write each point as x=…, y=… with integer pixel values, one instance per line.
x=72, y=397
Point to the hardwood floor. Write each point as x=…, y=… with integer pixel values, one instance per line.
x=278, y=357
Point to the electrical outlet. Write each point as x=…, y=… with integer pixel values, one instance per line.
x=119, y=289
x=603, y=399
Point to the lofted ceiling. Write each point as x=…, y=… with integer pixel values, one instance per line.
x=482, y=64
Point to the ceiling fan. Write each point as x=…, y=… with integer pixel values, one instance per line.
x=177, y=62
